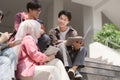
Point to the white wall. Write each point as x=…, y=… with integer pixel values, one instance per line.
x=98, y=50
x=111, y=10
x=77, y=16
x=88, y=25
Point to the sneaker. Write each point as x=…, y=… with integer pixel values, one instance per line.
x=71, y=73
x=78, y=76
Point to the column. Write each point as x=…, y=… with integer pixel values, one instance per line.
x=92, y=24
x=57, y=6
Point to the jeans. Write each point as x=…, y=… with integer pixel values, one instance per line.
x=43, y=42
x=9, y=53
x=5, y=71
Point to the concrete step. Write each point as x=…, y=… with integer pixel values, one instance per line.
x=98, y=70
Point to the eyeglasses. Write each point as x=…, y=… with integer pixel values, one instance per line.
x=38, y=10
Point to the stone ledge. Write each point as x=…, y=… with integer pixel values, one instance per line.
x=90, y=62
x=98, y=77
x=98, y=70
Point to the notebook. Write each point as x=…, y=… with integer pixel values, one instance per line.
x=51, y=50
x=75, y=38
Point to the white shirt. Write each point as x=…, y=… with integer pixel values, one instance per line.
x=63, y=34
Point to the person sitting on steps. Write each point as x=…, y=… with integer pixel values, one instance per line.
x=59, y=36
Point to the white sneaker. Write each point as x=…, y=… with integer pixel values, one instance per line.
x=78, y=76
x=71, y=73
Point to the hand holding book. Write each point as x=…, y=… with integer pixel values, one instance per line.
x=51, y=50
x=75, y=38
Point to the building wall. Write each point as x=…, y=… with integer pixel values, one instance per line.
x=77, y=15
x=10, y=8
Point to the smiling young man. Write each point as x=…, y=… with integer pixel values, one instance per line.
x=59, y=36
x=33, y=12
x=62, y=31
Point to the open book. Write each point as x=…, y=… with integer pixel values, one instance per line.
x=51, y=50
x=75, y=38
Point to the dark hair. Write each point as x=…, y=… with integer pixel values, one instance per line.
x=33, y=5
x=1, y=14
x=66, y=13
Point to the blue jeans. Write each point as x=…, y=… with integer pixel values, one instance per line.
x=43, y=42
x=9, y=53
x=66, y=57
x=5, y=71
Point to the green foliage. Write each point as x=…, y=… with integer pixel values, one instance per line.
x=109, y=35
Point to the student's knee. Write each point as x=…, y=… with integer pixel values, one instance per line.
x=10, y=53
x=45, y=38
x=5, y=60
x=43, y=42
x=83, y=51
x=58, y=63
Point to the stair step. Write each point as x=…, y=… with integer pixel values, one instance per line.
x=95, y=69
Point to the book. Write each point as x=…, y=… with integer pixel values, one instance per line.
x=1, y=33
x=51, y=50
x=75, y=38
